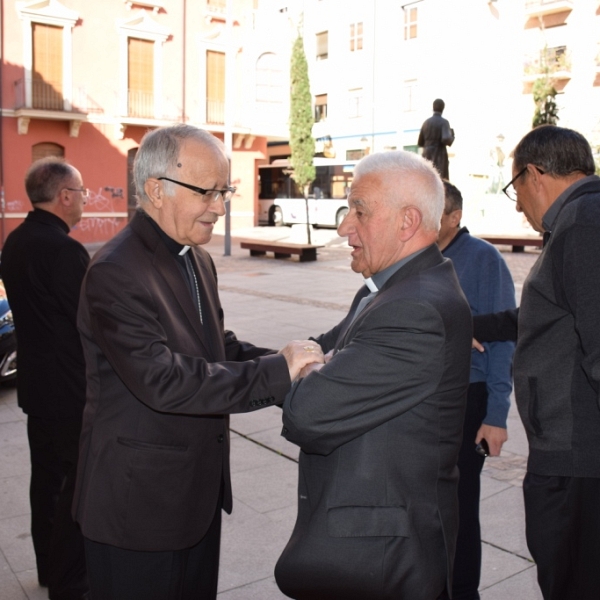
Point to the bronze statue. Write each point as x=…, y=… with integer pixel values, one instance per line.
x=435, y=135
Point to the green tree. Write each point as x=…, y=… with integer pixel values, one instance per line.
x=302, y=143
x=544, y=97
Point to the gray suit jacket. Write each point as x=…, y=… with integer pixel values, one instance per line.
x=380, y=428
x=154, y=452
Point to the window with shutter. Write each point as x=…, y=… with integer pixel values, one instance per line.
x=44, y=149
x=322, y=45
x=140, y=77
x=47, y=67
x=215, y=87
x=320, y=108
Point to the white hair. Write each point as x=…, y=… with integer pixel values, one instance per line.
x=411, y=179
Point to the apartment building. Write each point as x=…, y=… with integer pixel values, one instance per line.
x=86, y=79
x=376, y=67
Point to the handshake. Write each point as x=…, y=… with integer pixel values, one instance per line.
x=303, y=357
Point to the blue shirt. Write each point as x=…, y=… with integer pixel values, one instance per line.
x=488, y=286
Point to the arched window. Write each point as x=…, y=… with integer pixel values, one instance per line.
x=44, y=149
x=269, y=79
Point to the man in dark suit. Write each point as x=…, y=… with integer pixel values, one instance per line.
x=434, y=136
x=163, y=374
x=380, y=424
x=43, y=268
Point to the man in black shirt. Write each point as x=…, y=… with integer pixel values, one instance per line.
x=43, y=268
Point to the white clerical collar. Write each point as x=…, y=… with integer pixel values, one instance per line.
x=371, y=285
x=184, y=250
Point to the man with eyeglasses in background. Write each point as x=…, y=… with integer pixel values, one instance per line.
x=557, y=359
x=42, y=269
x=163, y=376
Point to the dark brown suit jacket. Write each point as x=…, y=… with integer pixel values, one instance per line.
x=155, y=445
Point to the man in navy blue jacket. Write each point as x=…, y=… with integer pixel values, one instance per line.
x=488, y=286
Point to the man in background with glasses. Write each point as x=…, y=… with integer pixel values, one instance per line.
x=163, y=376
x=43, y=268
x=557, y=359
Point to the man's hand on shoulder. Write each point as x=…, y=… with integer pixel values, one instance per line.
x=494, y=436
x=299, y=354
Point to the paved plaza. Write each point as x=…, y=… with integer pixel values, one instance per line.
x=269, y=302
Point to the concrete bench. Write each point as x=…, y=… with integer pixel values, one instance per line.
x=305, y=252
x=518, y=243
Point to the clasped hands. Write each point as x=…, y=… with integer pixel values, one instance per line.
x=303, y=357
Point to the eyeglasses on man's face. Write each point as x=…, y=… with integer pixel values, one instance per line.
x=210, y=195
x=85, y=192
x=510, y=191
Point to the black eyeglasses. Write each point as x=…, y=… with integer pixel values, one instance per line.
x=84, y=191
x=211, y=195
x=510, y=191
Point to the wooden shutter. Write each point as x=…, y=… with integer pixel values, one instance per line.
x=140, y=77
x=322, y=45
x=215, y=87
x=47, y=80
x=44, y=149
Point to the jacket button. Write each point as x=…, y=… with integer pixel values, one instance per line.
x=220, y=438
x=284, y=430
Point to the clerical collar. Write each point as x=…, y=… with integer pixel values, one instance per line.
x=371, y=285
x=173, y=246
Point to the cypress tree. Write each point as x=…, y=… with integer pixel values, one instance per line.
x=302, y=144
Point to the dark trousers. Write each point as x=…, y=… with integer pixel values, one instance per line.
x=467, y=562
x=189, y=574
x=57, y=541
x=562, y=525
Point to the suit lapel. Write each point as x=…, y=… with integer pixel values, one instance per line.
x=210, y=304
x=165, y=264
x=430, y=257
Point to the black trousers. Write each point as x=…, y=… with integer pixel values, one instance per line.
x=57, y=541
x=467, y=562
x=189, y=574
x=562, y=525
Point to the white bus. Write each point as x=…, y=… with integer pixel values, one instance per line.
x=281, y=202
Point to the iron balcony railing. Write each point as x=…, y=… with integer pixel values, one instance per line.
x=535, y=4
x=548, y=61
x=48, y=95
x=215, y=112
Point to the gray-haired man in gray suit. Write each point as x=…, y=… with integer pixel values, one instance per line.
x=380, y=424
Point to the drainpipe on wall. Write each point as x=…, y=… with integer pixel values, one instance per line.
x=183, y=81
x=228, y=125
x=2, y=202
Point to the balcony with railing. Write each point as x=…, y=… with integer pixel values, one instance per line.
x=539, y=8
x=215, y=112
x=36, y=98
x=140, y=104
x=146, y=109
x=554, y=63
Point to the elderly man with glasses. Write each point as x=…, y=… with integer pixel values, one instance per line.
x=163, y=376
x=42, y=268
x=557, y=359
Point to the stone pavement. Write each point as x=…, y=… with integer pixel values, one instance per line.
x=269, y=302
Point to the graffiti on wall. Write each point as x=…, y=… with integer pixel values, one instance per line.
x=99, y=202
x=100, y=226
